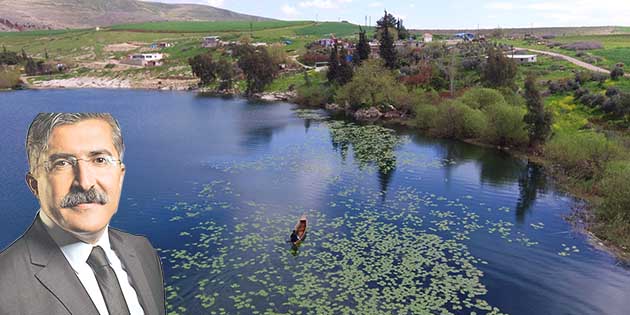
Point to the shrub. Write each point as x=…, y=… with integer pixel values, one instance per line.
x=612, y=91
x=425, y=116
x=456, y=120
x=583, y=46
x=314, y=95
x=505, y=125
x=592, y=100
x=617, y=105
x=582, y=155
x=616, y=195
x=512, y=97
x=617, y=72
x=8, y=79
x=372, y=85
x=481, y=98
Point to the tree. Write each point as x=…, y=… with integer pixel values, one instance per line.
x=538, y=121
x=31, y=67
x=371, y=85
x=204, y=68
x=344, y=72
x=499, y=70
x=387, y=50
x=333, y=65
x=387, y=22
x=258, y=68
x=401, y=30
x=277, y=53
x=225, y=73
x=339, y=70
x=363, y=48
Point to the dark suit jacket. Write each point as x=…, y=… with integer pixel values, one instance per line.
x=36, y=278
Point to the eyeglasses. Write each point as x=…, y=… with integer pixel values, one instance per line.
x=69, y=163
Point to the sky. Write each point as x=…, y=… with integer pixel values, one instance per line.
x=440, y=14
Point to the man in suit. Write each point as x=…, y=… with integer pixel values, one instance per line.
x=70, y=261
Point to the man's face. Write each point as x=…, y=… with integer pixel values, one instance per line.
x=84, y=140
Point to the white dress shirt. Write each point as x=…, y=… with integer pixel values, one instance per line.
x=77, y=253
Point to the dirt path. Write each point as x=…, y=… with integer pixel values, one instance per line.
x=572, y=60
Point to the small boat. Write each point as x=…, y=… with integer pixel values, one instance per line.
x=299, y=232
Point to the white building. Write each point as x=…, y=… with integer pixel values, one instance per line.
x=428, y=37
x=211, y=42
x=145, y=60
x=522, y=58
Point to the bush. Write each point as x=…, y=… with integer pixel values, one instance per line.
x=617, y=105
x=482, y=98
x=372, y=85
x=425, y=116
x=617, y=72
x=583, y=46
x=592, y=100
x=512, y=97
x=9, y=79
x=456, y=120
x=313, y=96
x=582, y=155
x=615, y=204
x=505, y=126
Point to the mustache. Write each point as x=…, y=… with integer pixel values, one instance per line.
x=78, y=196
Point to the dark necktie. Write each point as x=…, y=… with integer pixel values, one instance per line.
x=108, y=282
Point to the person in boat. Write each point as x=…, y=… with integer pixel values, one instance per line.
x=294, y=236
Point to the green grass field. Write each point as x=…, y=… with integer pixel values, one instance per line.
x=196, y=27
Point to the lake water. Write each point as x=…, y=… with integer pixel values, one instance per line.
x=398, y=223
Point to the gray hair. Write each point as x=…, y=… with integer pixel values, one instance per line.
x=44, y=123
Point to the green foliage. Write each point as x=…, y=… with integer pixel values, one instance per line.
x=204, y=68
x=277, y=53
x=387, y=51
x=582, y=155
x=314, y=95
x=9, y=78
x=538, y=120
x=372, y=85
x=617, y=72
x=225, y=72
x=425, y=116
x=482, y=98
x=505, y=125
x=9, y=58
x=339, y=70
x=456, y=120
x=363, y=50
x=614, y=187
x=499, y=70
x=258, y=68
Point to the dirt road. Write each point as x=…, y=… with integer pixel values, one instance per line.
x=572, y=60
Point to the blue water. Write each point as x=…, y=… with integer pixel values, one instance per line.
x=226, y=179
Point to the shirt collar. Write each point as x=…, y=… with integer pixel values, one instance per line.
x=75, y=251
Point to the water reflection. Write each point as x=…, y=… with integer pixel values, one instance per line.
x=531, y=182
x=371, y=146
